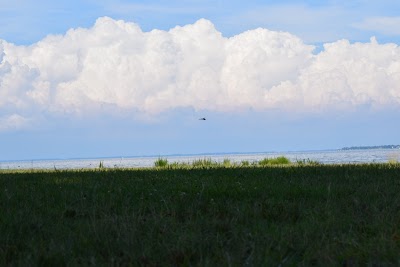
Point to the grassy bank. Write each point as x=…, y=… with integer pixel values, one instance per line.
x=337, y=215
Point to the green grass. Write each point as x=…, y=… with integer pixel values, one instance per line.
x=161, y=163
x=101, y=165
x=280, y=215
x=274, y=161
x=245, y=163
x=227, y=163
x=303, y=162
x=204, y=163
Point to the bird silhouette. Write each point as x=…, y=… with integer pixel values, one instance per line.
x=202, y=119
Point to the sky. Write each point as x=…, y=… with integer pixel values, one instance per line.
x=132, y=78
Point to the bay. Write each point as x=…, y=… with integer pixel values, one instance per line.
x=322, y=156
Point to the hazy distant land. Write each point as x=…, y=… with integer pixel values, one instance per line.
x=372, y=147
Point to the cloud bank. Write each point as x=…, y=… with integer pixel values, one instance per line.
x=115, y=66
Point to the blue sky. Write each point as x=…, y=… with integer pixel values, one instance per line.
x=25, y=21
x=127, y=78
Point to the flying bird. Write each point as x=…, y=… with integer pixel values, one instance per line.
x=202, y=119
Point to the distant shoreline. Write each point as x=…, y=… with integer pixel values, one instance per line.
x=371, y=147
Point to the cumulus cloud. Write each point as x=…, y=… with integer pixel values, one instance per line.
x=117, y=65
x=345, y=76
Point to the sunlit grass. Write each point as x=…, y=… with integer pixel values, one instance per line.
x=204, y=163
x=160, y=163
x=209, y=163
x=226, y=163
x=274, y=161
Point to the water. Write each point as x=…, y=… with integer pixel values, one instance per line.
x=326, y=156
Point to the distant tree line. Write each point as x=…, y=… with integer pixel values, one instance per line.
x=372, y=147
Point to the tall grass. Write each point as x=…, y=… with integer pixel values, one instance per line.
x=274, y=161
x=244, y=163
x=302, y=162
x=161, y=163
x=204, y=163
x=226, y=163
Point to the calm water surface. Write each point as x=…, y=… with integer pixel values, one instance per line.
x=327, y=157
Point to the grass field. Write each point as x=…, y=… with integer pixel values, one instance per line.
x=293, y=215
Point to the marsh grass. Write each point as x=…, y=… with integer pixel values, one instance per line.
x=280, y=215
x=303, y=162
x=274, y=161
x=244, y=163
x=204, y=163
x=161, y=163
x=227, y=163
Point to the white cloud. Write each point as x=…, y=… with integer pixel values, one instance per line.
x=115, y=64
x=346, y=76
x=385, y=25
x=13, y=122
